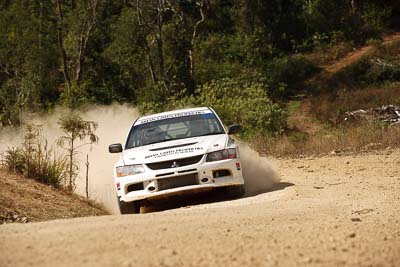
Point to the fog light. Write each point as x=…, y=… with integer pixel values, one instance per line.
x=151, y=188
x=221, y=173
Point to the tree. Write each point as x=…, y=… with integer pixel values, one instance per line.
x=75, y=129
x=27, y=60
x=73, y=32
x=161, y=21
x=128, y=63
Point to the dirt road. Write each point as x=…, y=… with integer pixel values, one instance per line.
x=329, y=211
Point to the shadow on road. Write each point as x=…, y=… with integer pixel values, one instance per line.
x=192, y=199
x=275, y=187
x=183, y=201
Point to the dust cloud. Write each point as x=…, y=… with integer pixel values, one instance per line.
x=259, y=173
x=114, y=122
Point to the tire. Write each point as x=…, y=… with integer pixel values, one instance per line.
x=129, y=207
x=236, y=191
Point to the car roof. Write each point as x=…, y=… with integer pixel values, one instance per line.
x=172, y=113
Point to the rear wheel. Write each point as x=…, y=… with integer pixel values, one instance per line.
x=236, y=191
x=129, y=207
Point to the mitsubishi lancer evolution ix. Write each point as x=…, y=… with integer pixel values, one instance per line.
x=173, y=152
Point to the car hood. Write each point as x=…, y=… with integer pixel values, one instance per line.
x=177, y=149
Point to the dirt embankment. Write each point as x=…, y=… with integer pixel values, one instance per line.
x=328, y=211
x=25, y=200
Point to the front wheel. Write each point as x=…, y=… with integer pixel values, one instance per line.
x=236, y=191
x=129, y=207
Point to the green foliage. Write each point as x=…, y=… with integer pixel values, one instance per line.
x=159, y=98
x=236, y=101
x=9, y=111
x=35, y=159
x=75, y=96
x=28, y=59
x=243, y=103
x=369, y=72
x=14, y=159
x=110, y=51
x=286, y=76
x=229, y=56
x=127, y=69
x=375, y=16
x=293, y=106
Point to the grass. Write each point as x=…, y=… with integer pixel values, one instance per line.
x=369, y=82
x=35, y=159
x=327, y=107
x=365, y=136
x=315, y=130
x=293, y=106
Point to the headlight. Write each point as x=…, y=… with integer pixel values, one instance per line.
x=229, y=153
x=129, y=170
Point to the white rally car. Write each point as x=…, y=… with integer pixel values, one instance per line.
x=170, y=152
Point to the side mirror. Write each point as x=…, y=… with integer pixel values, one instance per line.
x=234, y=129
x=115, y=148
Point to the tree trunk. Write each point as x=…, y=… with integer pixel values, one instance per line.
x=40, y=24
x=71, y=165
x=151, y=64
x=84, y=35
x=146, y=45
x=190, y=63
x=87, y=176
x=353, y=7
x=61, y=47
x=81, y=52
x=159, y=38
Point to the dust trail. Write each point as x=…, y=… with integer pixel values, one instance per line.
x=113, y=121
x=259, y=173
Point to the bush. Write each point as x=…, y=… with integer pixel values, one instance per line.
x=287, y=75
x=366, y=72
x=35, y=159
x=243, y=103
x=158, y=99
x=76, y=95
x=235, y=101
x=14, y=159
x=9, y=110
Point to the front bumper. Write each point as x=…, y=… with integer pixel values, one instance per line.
x=158, y=183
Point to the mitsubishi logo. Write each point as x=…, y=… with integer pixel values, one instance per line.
x=174, y=165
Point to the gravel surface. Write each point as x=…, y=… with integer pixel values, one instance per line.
x=328, y=211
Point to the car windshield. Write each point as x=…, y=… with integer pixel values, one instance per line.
x=174, y=128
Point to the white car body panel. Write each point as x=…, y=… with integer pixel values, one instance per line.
x=175, y=151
